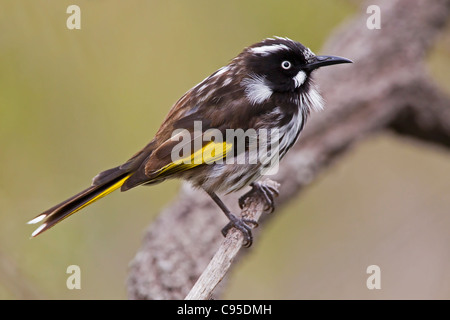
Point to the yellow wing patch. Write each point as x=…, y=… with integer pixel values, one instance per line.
x=210, y=153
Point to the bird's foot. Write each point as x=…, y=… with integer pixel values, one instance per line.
x=267, y=191
x=243, y=226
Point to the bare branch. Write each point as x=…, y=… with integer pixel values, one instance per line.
x=427, y=117
x=228, y=250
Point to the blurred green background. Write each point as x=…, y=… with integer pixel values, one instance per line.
x=76, y=102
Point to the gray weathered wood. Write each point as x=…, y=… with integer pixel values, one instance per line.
x=227, y=251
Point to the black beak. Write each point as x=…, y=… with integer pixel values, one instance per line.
x=321, y=61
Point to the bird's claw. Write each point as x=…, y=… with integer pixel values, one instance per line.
x=267, y=191
x=243, y=226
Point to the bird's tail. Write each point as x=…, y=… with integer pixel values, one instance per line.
x=68, y=207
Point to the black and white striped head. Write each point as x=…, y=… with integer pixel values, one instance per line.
x=280, y=65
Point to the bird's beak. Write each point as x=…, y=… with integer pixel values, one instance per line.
x=321, y=61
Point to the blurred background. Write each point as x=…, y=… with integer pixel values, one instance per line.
x=76, y=102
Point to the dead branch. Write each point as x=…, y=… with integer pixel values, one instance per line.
x=228, y=249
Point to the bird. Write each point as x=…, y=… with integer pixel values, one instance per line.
x=267, y=88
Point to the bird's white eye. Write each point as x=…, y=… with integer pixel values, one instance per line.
x=286, y=65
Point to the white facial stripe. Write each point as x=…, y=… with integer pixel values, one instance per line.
x=256, y=89
x=265, y=50
x=300, y=78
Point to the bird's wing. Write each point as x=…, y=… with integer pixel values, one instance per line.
x=190, y=144
x=226, y=109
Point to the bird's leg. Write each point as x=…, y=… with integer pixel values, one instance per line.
x=240, y=224
x=267, y=191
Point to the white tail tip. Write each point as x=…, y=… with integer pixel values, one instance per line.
x=37, y=219
x=38, y=230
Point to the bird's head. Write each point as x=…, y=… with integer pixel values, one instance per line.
x=280, y=65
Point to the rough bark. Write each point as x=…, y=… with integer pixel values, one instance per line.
x=387, y=88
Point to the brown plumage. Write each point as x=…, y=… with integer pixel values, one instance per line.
x=266, y=87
